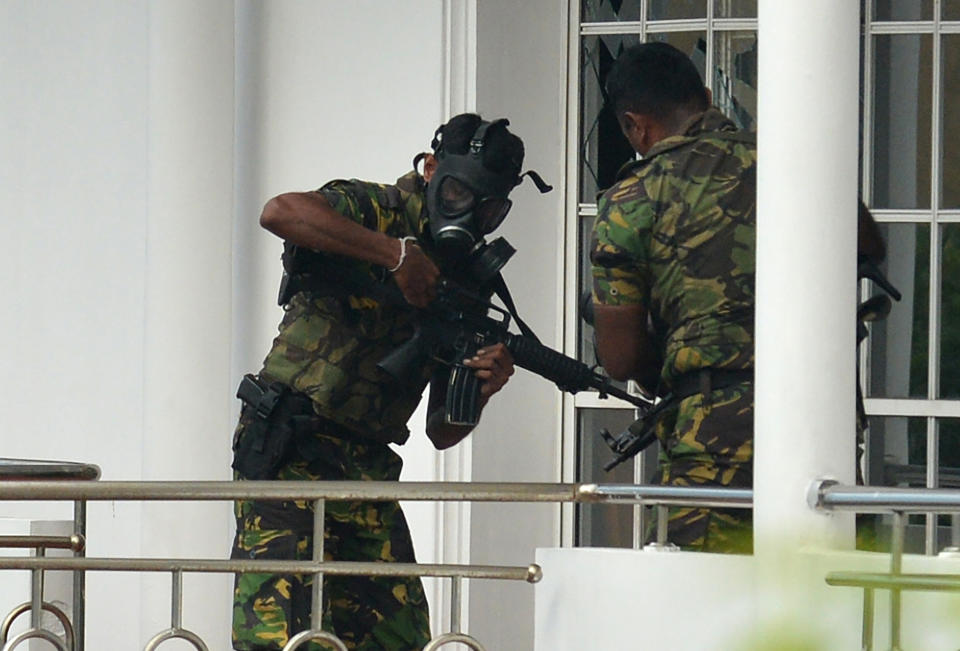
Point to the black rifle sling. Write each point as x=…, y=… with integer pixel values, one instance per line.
x=501, y=290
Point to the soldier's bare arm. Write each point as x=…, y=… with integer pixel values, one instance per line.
x=494, y=366
x=623, y=345
x=307, y=219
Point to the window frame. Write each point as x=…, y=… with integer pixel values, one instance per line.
x=576, y=211
x=932, y=408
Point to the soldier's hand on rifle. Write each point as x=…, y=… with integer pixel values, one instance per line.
x=494, y=366
x=416, y=276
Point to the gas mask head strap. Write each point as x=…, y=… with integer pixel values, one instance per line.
x=537, y=181
x=477, y=142
x=476, y=148
x=418, y=159
x=480, y=135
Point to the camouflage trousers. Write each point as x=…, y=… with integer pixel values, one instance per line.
x=366, y=613
x=709, y=442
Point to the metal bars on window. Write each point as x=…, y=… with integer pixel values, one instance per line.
x=720, y=35
x=906, y=41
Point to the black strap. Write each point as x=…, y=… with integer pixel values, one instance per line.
x=265, y=396
x=501, y=290
x=479, y=138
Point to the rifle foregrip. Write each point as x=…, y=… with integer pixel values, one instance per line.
x=568, y=373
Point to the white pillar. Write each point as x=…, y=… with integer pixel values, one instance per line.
x=806, y=260
x=187, y=385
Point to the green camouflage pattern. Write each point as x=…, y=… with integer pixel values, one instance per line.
x=328, y=347
x=368, y=614
x=709, y=443
x=676, y=234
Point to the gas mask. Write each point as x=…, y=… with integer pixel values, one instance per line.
x=465, y=200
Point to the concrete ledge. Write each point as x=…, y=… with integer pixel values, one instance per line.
x=625, y=599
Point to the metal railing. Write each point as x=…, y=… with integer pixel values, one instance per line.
x=319, y=493
x=32, y=470
x=899, y=502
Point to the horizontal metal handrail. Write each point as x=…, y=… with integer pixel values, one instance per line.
x=287, y=490
x=881, y=581
x=705, y=496
x=831, y=496
x=531, y=573
x=376, y=491
x=38, y=469
x=74, y=543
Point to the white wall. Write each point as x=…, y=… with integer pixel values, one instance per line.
x=521, y=67
x=138, y=142
x=325, y=90
x=187, y=290
x=73, y=208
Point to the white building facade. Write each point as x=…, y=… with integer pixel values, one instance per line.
x=139, y=140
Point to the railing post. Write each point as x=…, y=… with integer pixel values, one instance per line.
x=663, y=522
x=36, y=594
x=663, y=519
x=866, y=635
x=176, y=599
x=455, y=635
x=896, y=567
x=455, y=606
x=176, y=630
x=316, y=612
x=79, y=578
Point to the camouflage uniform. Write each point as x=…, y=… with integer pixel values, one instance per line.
x=676, y=234
x=327, y=349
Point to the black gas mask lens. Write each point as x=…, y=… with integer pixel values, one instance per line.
x=457, y=198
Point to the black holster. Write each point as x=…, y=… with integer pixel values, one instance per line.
x=272, y=415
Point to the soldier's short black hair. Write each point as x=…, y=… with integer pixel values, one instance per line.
x=655, y=79
x=502, y=153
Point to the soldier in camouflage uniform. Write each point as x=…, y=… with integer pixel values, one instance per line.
x=673, y=279
x=330, y=413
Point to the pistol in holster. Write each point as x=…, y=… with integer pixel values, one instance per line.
x=272, y=414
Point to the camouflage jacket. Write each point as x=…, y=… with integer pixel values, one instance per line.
x=328, y=347
x=676, y=234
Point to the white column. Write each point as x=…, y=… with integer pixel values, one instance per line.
x=187, y=385
x=806, y=260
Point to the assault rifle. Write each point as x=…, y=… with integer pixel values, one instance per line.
x=457, y=324
x=452, y=328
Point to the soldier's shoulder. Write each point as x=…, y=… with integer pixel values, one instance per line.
x=369, y=195
x=740, y=144
x=629, y=186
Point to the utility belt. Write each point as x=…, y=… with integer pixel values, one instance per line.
x=706, y=381
x=275, y=416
